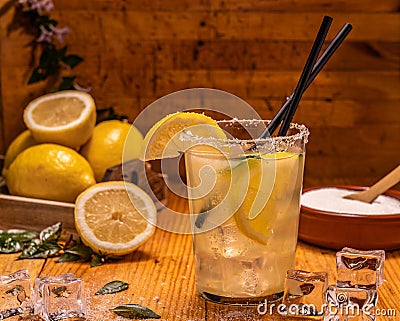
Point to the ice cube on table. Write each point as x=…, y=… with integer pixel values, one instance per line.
x=350, y=304
x=60, y=297
x=304, y=293
x=360, y=269
x=15, y=294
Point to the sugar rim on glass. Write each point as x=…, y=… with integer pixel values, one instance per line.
x=276, y=141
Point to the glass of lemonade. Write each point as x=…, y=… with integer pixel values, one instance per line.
x=244, y=194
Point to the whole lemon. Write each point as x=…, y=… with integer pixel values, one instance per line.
x=106, y=146
x=19, y=144
x=51, y=172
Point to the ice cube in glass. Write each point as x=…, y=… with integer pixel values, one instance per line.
x=304, y=293
x=360, y=269
x=60, y=297
x=350, y=304
x=15, y=294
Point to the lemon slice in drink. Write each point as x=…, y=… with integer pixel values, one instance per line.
x=66, y=118
x=162, y=140
x=114, y=217
x=269, y=181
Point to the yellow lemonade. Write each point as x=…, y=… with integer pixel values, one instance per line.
x=248, y=203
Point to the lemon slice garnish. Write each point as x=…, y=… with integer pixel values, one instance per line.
x=163, y=141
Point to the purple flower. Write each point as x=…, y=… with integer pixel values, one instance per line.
x=48, y=5
x=40, y=6
x=60, y=32
x=45, y=35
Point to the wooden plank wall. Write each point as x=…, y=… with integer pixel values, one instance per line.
x=138, y=51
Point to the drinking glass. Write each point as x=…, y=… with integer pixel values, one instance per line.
x=244, y=193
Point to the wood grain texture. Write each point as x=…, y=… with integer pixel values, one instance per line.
x=161, y=276
x=137, y=51
x=236, y=5
x=24, y=213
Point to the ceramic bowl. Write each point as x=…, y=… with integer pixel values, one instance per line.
x=360, y=231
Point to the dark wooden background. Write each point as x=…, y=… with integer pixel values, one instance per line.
x=138, y=51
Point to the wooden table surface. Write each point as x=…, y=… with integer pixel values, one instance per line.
x=161, y=277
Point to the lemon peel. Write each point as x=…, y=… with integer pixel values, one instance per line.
x=19, y=144
x=49, y=171
x=106, y=146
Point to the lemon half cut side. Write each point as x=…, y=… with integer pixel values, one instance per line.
x=114, y=217
x=65, y=117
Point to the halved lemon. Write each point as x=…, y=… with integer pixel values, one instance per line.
x=271, y=177
x=163, y=141
x=114, y=217
x=65, y=117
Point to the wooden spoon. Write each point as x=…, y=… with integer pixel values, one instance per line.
x=369, y=195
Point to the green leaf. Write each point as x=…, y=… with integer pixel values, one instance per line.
x=13, y=241
x=113, y=287
x=97, y=260
x=68, y=257
x=10, y=312
x=15, y=290
x=84, y=252
x=51, y=233
x=48, y=57
x=46, y=21
x=39, y=250
x=31, y=249
x=72, y=60
x=135, y=311
x=62, y=52
x=61, y=291
x=67, y=83
x=44, y=246
x=38, y=74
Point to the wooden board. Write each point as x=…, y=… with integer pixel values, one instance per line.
x=34, y=214
x=161, y=276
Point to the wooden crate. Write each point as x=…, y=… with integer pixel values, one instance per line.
x=34, y=214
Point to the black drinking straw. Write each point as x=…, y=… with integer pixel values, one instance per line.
x=326, y=55
x=301, y=85
x=305, y=75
